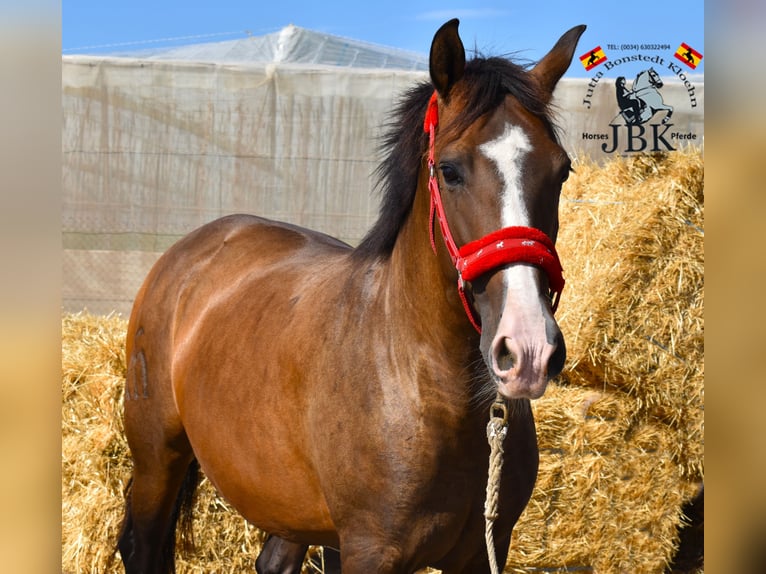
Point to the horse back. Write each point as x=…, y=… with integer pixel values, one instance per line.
x=221, y=256
x=237, y=261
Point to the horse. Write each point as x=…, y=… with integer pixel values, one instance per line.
x=646, y=88
x=338, y=395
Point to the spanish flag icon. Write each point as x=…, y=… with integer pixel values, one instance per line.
x=593, y=58
x=688, y=55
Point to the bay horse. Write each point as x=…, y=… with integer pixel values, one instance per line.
x=338, y=396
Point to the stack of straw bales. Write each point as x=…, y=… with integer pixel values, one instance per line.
x=620, y=433
x=95, y=463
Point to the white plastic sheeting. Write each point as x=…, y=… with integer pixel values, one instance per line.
x=152, y=150
x=297, y=46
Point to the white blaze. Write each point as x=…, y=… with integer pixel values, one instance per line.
x=508, y=151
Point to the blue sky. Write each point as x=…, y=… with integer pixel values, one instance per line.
x=527, y=28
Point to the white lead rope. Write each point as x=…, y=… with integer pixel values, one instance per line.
x=497, y=429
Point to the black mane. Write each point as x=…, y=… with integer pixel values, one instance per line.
x=486, y=83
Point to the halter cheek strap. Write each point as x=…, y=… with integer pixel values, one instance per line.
x=502, y=247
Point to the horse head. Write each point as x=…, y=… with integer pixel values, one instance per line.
x=497, y=171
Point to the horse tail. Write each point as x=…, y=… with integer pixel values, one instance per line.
x=180, y=527
x=124, y=539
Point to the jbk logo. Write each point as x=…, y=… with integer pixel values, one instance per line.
x=643, y=120
x=639, y=104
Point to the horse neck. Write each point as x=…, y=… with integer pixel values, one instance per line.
x=422, y=278
x=436, y=348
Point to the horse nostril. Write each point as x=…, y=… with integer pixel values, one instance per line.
x=559, y=356
x=504, y=357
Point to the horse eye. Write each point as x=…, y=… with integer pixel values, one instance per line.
x=450, y=174
x=565, y=174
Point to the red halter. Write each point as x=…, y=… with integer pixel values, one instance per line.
x=501, y=247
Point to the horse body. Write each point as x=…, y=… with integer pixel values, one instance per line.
x=278, y=447
x=339, y=396
x=261, y=277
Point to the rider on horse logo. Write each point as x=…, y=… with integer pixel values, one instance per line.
x=638, y=105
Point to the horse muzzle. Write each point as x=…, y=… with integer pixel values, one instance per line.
x=527, y=348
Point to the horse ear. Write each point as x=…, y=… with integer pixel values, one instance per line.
x=447, y=59
x=553, y=65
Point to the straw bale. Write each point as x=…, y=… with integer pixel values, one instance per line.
x=94, y=453
x=620, y=433
x=608, y=496
x=632, y=244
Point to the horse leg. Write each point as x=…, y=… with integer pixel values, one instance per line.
x=378, y=562
x=280, y=556
x=479, y=563
x=365, y=556
x=330, y=563
x=157, y=497
x=165, y=472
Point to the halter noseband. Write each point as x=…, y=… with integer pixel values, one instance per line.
x=507, y=245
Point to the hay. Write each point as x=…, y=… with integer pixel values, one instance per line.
x=95, y=463
x=620, y=433
x=632, y=243
x=608, y=494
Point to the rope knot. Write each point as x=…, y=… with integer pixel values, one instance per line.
x=496, y=431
